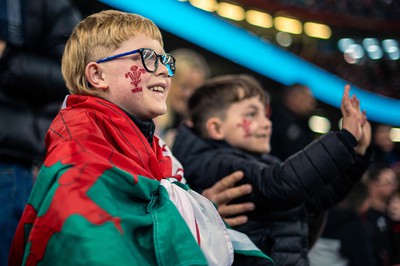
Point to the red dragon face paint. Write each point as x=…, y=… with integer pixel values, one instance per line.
x=246, y=127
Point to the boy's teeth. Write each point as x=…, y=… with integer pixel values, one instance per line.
x=157, y=88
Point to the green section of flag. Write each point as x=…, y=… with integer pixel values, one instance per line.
x=82, y=243
x=146, y=228
x=45, y=186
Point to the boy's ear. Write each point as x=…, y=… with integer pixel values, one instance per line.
x=95, y=76
x=214, y=128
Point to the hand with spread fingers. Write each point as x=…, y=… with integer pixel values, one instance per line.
x=223, y=192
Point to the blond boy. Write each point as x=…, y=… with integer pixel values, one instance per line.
x=109, y=191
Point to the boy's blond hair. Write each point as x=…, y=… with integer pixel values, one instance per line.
x=97, y=36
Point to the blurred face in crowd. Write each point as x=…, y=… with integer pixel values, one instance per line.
x=184, y=83
x=382, y=137
x=394, y=207
x=247, y=127
x=301, y=101
x=385, y=185
x=308, y=101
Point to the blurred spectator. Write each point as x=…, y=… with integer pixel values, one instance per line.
x=291, y=132
x=393, y=210
x=32, y=37
x=386, y=150
x=346, y=240
x=381, y=182
x=191, y=72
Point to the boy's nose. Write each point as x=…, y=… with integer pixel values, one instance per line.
x=267, y=123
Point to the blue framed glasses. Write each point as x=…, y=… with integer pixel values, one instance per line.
x=149, y=59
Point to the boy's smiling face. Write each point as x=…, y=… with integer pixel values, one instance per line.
x=247, y=127
x=131, y=86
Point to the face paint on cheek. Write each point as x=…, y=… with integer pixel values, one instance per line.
x=246, y=127
x=134, y=75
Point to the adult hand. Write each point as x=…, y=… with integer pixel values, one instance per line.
x=223, y=192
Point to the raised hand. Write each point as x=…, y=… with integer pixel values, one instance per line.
x=353, y=119
x=365, y=140
x=223, y=192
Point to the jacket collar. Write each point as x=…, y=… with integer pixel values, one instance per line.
x=147, y=127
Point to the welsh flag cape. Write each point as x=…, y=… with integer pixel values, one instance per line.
x=105, y=196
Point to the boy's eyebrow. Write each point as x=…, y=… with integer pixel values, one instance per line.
x=253, y=106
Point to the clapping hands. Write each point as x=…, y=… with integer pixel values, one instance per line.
x=355, y=121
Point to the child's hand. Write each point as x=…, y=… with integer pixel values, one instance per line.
x=224, y=191
x=352, y=117
x=365, y=139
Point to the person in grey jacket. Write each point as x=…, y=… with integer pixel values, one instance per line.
x=32, y=39
x=229, y=131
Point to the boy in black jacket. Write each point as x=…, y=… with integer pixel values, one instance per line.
x=230, y=131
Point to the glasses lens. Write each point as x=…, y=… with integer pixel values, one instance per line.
x=169, y=62
x=149, y=59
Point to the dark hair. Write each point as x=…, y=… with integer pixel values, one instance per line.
x=288, y=90
x=218, y=94
x=374, y=171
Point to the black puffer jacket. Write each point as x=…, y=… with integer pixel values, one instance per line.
x=31, y=85
x=285, y=194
